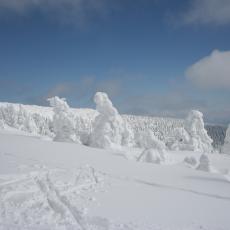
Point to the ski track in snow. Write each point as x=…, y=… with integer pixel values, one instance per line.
x=18, y=194
x=14, y=188
x=42, y=197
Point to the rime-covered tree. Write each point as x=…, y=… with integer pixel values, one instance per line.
x=63, y=121
x=109, y=129
x=198, y=137
x=226, y=147
x=179, y=139
x=154, y=149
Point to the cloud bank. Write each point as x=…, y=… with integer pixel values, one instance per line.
x=211, y=72
x=208, y=12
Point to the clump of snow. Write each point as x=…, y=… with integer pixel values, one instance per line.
x=109, y=129
x=151, y=156
x=190, y=160
x=63, y=121
x=226, y=147
x=204, y=163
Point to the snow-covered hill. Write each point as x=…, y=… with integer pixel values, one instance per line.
x=60, y=186
x=38, y=120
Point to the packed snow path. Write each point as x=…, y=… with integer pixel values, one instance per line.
x=47, y=185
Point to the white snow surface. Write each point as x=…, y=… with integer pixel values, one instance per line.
x=55, y=185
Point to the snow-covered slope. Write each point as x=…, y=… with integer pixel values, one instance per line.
x=38, y=120
x=51, y=185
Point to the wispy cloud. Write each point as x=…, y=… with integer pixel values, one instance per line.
x=211, y=72
x=65, y=11
x=208, y=12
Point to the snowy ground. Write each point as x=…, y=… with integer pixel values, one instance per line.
x=50, y=185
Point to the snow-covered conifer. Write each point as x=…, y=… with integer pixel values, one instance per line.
x=179, y=139
x=199, y=139
x=147, y=140
x=154, y=149
x=226, y=147
x=109, y=129
x=63, y=122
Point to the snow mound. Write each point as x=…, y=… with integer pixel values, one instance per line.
x=204, y=163
x=190, y=160
x=151, y=156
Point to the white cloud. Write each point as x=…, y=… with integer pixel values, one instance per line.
x=208, y=12
x=211, y=72
x=66, y=11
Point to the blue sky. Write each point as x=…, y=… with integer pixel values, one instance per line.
x=147, y=55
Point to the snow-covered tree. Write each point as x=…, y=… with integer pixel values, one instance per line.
x=226, y=147
x=198, y=137
x=154, y=149
x=63, y=121
x=109, y=130
x=179, y=139
x=147, y=139
x=10, y=115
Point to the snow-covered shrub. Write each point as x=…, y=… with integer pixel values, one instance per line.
x=226, y=147
x=63, y=121
x=198, y=137
x=44, y=125
x=109, y=130
x=154, y=149
x=190, y=160
x=9, y=114
x=179, y=139
x=204, y=163
x=147, y=140
x=151, y=156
